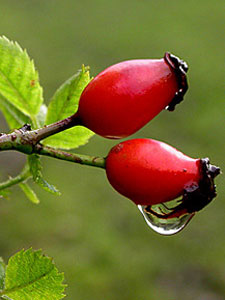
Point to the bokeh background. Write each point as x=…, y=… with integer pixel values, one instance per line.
x=97, y=237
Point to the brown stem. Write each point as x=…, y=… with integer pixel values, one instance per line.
x=54, y=128
x=24, y=139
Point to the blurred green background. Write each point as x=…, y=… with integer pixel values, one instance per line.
x=97, y=237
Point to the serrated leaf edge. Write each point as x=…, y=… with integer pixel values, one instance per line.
x=75, y=77
x=23, y=51
x=39, y=252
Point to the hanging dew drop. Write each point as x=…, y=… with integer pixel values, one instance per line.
x=164, y=226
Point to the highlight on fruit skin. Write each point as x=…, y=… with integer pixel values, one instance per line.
x=150, y=172
x=126, y=96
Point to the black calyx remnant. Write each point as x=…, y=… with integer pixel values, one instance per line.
x=180, y=68
x=197, y=198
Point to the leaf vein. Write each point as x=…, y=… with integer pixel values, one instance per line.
x=22, y=286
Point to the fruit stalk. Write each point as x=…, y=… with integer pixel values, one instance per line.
x=72, y=157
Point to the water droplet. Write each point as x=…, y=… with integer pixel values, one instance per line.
x=162, y=226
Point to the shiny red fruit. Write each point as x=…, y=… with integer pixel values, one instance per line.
x=150, y=172
x=126, y=96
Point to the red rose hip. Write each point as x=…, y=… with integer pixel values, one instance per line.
x=126, y=96
x=150, y=172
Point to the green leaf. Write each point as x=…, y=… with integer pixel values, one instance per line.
x=64, y=104
x=35, y=169
x=5, y=193
x=65, y=101
x=2, y=273
x=32, y=276
x=19, y=81
x=70, y=138
x=14, y=117
x=48, y=187
x=35, y=166
x=29, y=193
